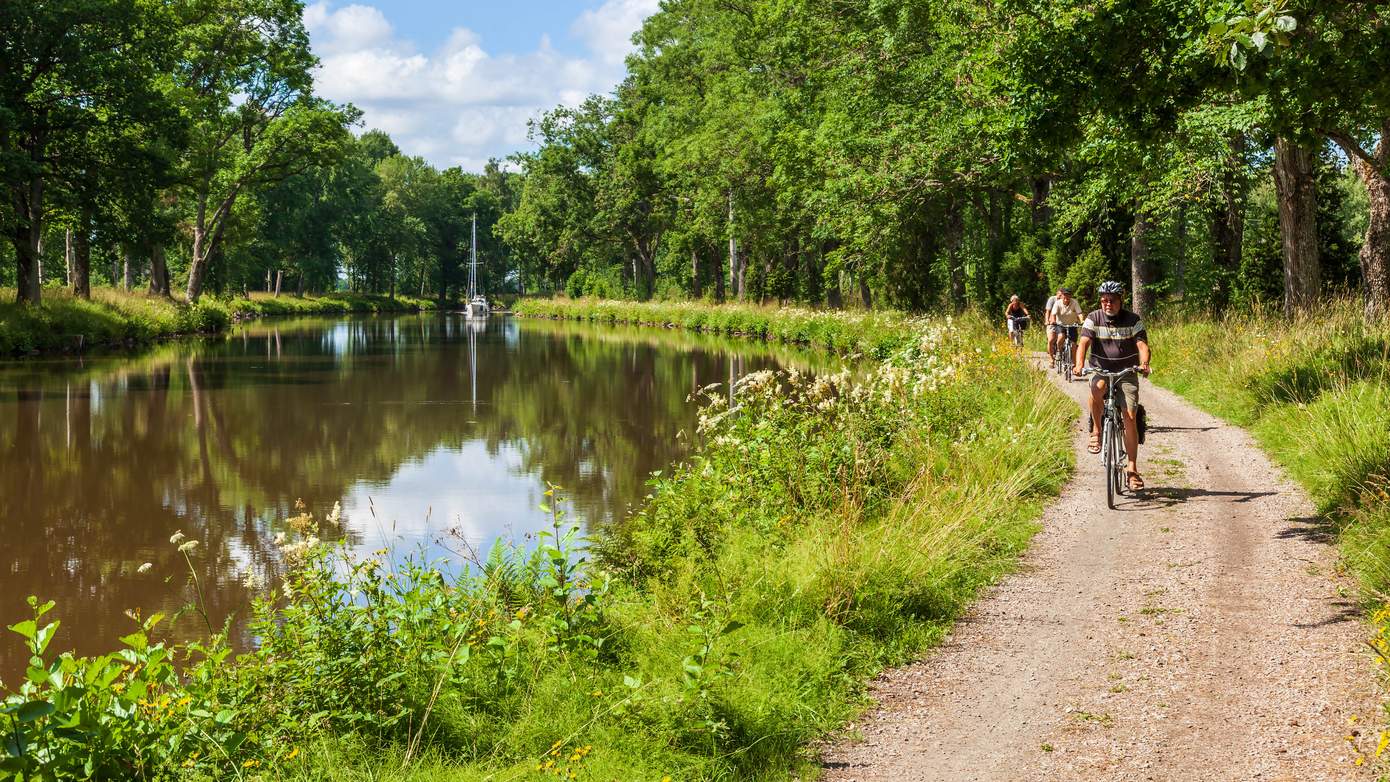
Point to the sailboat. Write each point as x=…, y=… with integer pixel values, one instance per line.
x=477, y=303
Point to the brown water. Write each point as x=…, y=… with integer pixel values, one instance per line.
x=427, y=430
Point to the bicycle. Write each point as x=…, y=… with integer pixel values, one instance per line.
x=1066, y=352
x=1016, y=324
x=1112, y=434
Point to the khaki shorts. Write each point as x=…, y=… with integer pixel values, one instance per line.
x=1129, y=390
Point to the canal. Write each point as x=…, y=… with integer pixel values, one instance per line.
x=434, y=436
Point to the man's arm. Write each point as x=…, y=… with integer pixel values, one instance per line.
x=1144, y=354
x=1082, y=345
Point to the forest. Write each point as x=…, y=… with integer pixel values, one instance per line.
x=905, y=154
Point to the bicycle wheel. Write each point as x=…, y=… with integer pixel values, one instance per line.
x=1066, y=361
x=1117, y=472
x=1107, y=450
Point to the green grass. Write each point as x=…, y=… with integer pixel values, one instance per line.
x=112, y=318
x=1315, y=392
x=823, y=529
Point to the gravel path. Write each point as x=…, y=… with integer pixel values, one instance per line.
x=1198, y=632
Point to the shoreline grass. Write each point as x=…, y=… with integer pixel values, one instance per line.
x=824, y=528
x=116, y=319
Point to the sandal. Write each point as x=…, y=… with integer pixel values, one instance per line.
x=1134, y=481
x=1094, y=445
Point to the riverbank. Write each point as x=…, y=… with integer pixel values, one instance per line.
x=872, y=333
x=1315, y=393
x=824, y=528
x=115, y=319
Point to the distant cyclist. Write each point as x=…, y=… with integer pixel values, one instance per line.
x=1064, y=315
x=1121, y=343
x=1047, y=326
x=1015, y=314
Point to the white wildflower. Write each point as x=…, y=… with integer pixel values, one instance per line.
x=279, y=538
x=145, y=568
x=187, y=546
x=335, y=516
x=177, y=537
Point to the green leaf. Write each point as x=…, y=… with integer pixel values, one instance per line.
x=1237, y=57
x=1285, y=24
x=632, y=682
x=27, y=628
x=1217, y=30
x=731, y=627
x=34, y=710
x=1258, y=39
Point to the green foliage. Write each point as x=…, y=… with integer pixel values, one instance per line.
x=1085, y=276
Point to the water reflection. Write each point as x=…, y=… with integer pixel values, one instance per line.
x=415, y=425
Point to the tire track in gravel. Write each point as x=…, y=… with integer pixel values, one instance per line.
x=1198, y=631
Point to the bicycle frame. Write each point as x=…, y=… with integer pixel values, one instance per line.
x=1112, y=448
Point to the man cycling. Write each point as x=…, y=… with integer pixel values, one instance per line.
x=1065, y=316
x=1047, y=326
x=1121, y=343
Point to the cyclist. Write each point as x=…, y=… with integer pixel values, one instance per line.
x=1014, y=314
x=1120, y=343
x=1064, y=315
x=1047, y=327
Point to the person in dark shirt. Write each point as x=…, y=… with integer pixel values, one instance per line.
x=1120, y=343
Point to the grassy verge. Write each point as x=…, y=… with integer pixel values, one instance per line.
x=875, y=334
x=826, y=527
x=112, y=318
x=1315, y=392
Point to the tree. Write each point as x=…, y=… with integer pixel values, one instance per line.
x=76, y=72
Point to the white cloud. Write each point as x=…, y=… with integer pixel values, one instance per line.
x=461, y=105
x=608, y=29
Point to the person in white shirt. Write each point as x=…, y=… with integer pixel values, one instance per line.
x=1062, y=313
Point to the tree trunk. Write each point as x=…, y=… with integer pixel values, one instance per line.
x=80, y=268
x=1298, y=227
x=27, y=238
x=694, y=273
x=1375, y=250
x=955, y=233
x=67, y=256
x=207, y=235
x=1180, y=267
x=279, y=277
x=1228, y=224
x=865, y=295
x=159, y=272
x=1141, y=265
x=736, y=263
x=1041, y=210
x=125, y=269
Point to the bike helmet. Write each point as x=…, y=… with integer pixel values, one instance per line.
x=1110, y=286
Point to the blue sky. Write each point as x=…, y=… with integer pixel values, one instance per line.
x=456, y=83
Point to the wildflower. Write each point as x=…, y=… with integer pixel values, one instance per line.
x=145, y=568
x=279, y=538
x=335, y=516
x=253, y=581
x=294, y=753
x=187, y=546
x=177, y=537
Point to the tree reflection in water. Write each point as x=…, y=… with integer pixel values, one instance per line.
x=104, y=460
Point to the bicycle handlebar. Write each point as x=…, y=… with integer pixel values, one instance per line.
x=1109, y=375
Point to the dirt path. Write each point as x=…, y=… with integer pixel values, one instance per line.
x=1196, y=633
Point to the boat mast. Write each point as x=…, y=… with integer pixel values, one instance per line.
x=473, y=263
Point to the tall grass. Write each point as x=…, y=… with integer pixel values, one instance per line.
x=113, y=318
x=825, y=527
x=1315, y=391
